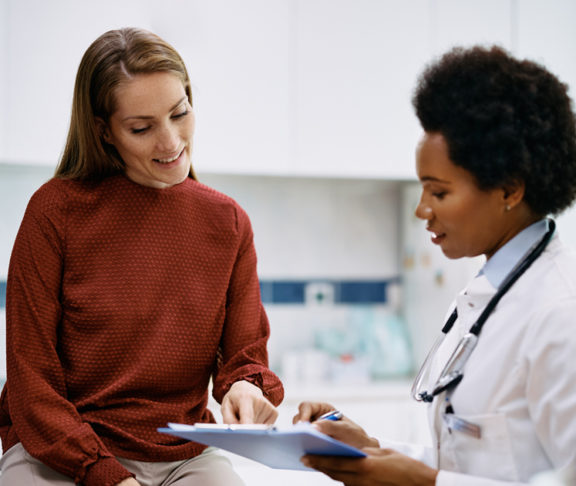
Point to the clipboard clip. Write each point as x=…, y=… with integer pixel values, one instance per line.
x=245, y=427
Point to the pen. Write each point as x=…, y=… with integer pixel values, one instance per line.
x=333, y=415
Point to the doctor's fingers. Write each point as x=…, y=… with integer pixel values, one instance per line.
x=310, y=411
x=352, y=472
x=346, y=431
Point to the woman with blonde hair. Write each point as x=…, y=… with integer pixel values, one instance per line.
x=131, y=286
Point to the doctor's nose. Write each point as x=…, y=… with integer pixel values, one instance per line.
x=423, y=211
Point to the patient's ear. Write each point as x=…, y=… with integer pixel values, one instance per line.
x=103, y=130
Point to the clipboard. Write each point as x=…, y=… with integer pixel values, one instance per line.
x=278, y=448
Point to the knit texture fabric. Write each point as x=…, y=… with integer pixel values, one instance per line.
x=122, y=302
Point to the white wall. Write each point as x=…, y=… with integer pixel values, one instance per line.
x=319, y=228
x=17, y=184
x=3, y=74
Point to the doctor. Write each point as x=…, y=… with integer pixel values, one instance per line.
x=498, y=155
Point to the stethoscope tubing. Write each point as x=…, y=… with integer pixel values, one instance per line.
x=454, y=369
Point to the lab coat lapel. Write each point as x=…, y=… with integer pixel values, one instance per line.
x=470, y=304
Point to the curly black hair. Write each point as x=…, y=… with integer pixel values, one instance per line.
x=505, y=120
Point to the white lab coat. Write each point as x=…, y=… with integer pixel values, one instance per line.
x=519, y=384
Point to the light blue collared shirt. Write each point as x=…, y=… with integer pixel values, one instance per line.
x=505, y=259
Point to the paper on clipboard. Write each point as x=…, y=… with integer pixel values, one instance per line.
x=279, y=448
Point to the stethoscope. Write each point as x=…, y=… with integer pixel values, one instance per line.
x=453, y=372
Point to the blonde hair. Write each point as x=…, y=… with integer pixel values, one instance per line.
x=112, y=59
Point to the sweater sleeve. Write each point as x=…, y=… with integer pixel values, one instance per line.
x=243, y=352
x=43, y=419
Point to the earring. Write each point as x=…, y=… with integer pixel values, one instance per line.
x=507, y=207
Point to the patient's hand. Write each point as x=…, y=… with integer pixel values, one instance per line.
x=245, y=404
x=129, y=482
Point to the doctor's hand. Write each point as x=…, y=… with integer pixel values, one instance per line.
x=344, y=430
x=382, y=467
x=310, y=411
x=245, y=404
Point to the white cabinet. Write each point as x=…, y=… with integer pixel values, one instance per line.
x=458, y=23
x=357, y=64
x=357, y=67
x=281, y=87
x=45, y=42
x=546, y=34
x=240, y=57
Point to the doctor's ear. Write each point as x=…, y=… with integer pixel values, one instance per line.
x=103, y=130
x=513, y=194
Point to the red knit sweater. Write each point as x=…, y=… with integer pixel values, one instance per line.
x=122, y=302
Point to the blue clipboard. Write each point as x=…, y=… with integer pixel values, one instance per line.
x=278, y=448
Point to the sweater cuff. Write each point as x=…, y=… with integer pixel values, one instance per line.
x=106, y=472
x=274, y=392
x=267, y=381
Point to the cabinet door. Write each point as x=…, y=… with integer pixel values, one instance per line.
x=46, y=41
x=545, y=33
x=357, y=64
x=458, y=23
x=240, y=60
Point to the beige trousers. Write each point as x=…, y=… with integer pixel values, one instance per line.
x=208, y=469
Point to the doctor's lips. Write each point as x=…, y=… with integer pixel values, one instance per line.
x=436, y=236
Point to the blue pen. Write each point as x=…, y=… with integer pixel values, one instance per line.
x=333, y=415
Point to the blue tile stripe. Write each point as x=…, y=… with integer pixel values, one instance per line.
x=294, y=291
x=2, y=294
x=345, y=291
x=361, y=292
